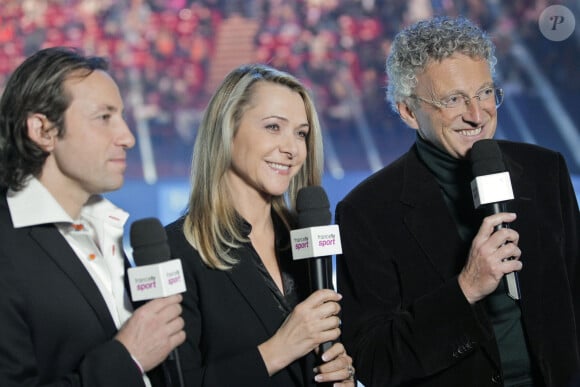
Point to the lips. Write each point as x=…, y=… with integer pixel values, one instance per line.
x=120, y=161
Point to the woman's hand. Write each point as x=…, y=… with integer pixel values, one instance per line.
x=312, y=322
x=337, y=367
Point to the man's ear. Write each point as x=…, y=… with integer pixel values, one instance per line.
x=407, y=115
x=41, y=131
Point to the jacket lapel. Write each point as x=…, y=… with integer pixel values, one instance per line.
x=249, y=283
x=446, y=251
x=428, y=213
x=524, y=205
x=56, y=247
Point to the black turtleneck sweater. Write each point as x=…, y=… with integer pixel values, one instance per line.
x=454, y=177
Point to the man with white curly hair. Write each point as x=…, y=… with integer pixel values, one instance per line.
x=422, y=271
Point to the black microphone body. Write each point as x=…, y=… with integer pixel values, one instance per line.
x=487, y=163
x=149, y=243
x=319, y=270
x=313, y=210
x=496, y=208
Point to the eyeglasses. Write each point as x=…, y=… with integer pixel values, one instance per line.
x=460, y=100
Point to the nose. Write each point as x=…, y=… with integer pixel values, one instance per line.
x=289, y=145
x=474, y=112
x=125, y=138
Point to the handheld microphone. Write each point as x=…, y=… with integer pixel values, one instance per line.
x=492, y=189
x=155, y=276
x=315, y=239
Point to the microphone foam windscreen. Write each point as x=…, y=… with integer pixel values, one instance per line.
x=486, y=158
x=313, y=207
x=149, y=242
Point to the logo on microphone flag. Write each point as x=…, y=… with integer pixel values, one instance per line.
x=157, y=280
x=313, y=242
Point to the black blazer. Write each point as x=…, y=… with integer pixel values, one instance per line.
x=227, y=315
x=55, y=328
x=405, y=319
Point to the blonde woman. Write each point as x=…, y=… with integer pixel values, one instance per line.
x=250, y=320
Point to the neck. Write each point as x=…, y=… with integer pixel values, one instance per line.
x=72, y=201
x=445, y=167
x=251, y=204
x=258, y=215
x=255, y=209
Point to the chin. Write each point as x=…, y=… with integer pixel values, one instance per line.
x=277, y=191
x=113, y=186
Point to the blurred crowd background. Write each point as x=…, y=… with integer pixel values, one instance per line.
x=169, y=55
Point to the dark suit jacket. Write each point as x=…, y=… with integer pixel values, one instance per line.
x=405, y=319
x=227, y=315
x=55, y=328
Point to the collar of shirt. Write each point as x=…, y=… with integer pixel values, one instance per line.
x=34, y=205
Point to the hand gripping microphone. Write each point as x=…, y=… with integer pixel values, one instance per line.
x=155, y=276
x=315, y=239
x=492, y=189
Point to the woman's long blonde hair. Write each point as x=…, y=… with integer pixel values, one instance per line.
x=211, y=224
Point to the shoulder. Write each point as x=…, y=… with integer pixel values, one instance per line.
x=179, y=245
x=11, y=239
x=532, y=158
x=528, y=154
x=175, y=228
x=386, y=184
x=4, y=211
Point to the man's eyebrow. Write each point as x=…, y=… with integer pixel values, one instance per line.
x=459, y=91
x=107, y=107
